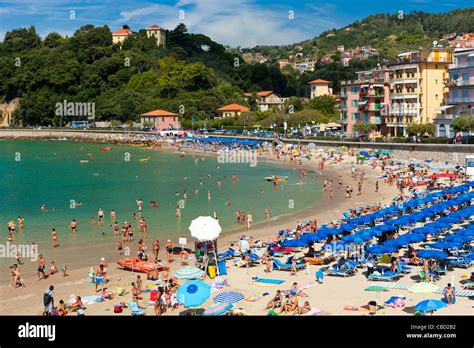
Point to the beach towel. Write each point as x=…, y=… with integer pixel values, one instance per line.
x=269, y=281
x=255, y=297
x=89, y=300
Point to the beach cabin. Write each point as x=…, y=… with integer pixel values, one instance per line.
x=160, y=119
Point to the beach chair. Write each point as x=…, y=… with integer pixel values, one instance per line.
x=345, y=270
x=387, y=276
x=277, y=264
x=446, y=297
x=463, y=262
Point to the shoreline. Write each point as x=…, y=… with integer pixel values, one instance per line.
x=12, y=301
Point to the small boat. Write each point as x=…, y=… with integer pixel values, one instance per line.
x=84, y=161
x=144, y=159
x=276, y=178
x=105, y=149
x=134, y=264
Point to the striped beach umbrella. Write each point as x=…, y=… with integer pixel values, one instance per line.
x=189, y=273
x=218, y=309
x=228, y=297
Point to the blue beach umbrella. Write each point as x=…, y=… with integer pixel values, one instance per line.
x=432, y=254
x=381, y=249
x=465, y=233
x=193, y=293
x=313, y=237
x=449, y=220
x=333, y=247
x=348, y=227
x=425, y=230
x=445, y=245
x=438, y=225
x=385, y=228
x=458, y=239
x=414, y=237
x=295, y=243
x=430, y=305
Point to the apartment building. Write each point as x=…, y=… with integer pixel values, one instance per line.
x=418, y=88
x=366, y=100
x=461, y=92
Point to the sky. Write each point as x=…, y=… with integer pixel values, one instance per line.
x=244, y=23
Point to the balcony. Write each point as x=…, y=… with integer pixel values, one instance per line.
x=403, y=112
x=457, y=100
x=460, y=82
x=403, y=96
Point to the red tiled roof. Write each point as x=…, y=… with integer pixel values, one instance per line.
x=234, y=107
x=260, y=94
x=159, y=113
x=319, y=82
x=122, y=31
x=154, y=26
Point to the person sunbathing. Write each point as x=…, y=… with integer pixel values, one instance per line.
x=78, y=304
x=275, y=301
x=62, y=310
x=305, y=309
x=153, y=275
x=415, y=259
x=449, y=294
x=291, y=304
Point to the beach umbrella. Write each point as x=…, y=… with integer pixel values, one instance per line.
x=458, y=239
x=355, y=238
x=445, y=245
x=348, y=227
x=385, y=228
x=382, y=249
x=430, y=305
x=228, y=297
x=425, y=230
x=313, y=237
x=432, y=254
x=332, y=231
x=414, y=237
x=466, y=233
x=311, y=146
x=423, y=288
x=219, y=309
x=397, y=242
x=295, y=243
x=189, y=273
x=449, y=220
x=193, y=293
x=438, y=225
x=370, y=232
x=205, y=228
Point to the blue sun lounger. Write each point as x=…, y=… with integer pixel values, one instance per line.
x=345, y=270
x=277, y=264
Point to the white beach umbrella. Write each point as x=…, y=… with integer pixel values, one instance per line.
x=205, y=228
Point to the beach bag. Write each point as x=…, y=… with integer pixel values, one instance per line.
x=118, y=308
x=80, y=311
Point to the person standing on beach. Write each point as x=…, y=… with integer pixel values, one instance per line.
x=267, y=214
x=139, y=204
x=249, y=220
x=359, y=187
x=41, y=266
x=113, y=215
x=48, y=301
x=377, y=186
x=54, y=238
x=339, y=182
x=156, y=248
x=99, y=277
x=169, y=249
x=242, y=217
x=237, y=216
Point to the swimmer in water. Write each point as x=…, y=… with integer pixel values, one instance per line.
x=93, y=221
x=73, y=225
x=44, y=208
x=227, y=204
x=219, y=183
x=209, y=195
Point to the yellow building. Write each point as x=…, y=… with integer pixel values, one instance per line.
x=120, y=35
x=417, y=87
x=158, y=33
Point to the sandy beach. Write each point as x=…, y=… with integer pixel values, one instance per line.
x=330, y=297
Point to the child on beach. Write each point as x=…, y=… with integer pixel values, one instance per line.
x=65, y=274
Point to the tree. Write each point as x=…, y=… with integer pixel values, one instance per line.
x=326, y=104
x=421, y=129
x=463, y=123
x=365, y=127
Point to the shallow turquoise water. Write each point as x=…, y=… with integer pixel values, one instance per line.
x=50, y=172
